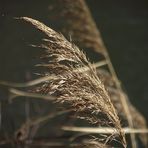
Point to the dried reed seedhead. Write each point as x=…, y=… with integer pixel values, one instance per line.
x=138, y=120
x=75, y=20
x=72, y=15
x=83, y=92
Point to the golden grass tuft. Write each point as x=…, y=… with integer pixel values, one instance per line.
x=83, y=92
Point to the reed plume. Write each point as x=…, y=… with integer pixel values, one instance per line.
x=75, y=20
x=72, y=15
x=75, y=85
x=138, y=120
x=83, y=92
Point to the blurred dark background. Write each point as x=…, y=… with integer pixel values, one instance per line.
x=124, y=28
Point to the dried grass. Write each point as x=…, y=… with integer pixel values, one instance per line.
x=138, y=120
x=70, y=79
x=84, y=92
x=76, y=21
x=74, y=15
